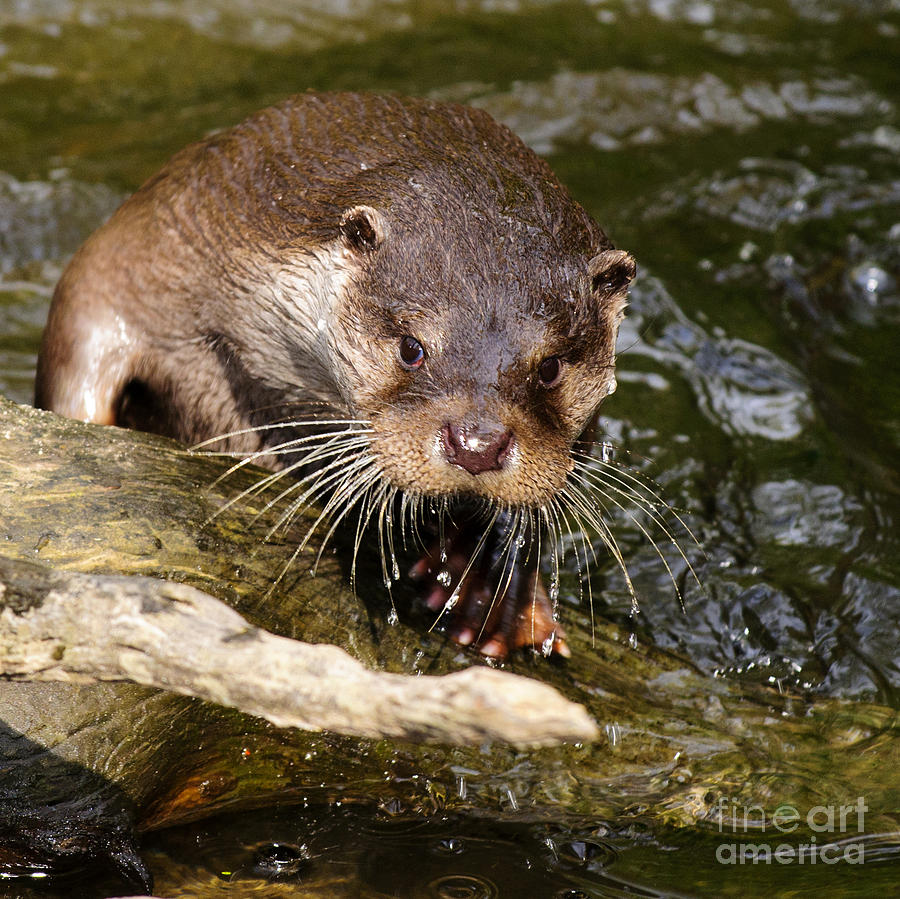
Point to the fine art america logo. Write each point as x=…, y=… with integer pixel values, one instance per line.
x=830, y=842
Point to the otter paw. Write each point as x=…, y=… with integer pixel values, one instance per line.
x=486, y=606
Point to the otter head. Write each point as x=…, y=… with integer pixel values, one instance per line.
x=479, y=345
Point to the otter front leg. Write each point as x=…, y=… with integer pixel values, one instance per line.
x=488, y=591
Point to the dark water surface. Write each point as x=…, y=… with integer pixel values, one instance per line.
x=748, y=154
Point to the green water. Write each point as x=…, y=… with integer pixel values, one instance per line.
x=749, y=156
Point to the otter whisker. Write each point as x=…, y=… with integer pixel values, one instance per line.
x=364, y=468
x=341, y=454
x=274, y=426
x=342, y=451
x=454, y=596
x=405, y=510
x=326, y=438
x=583, y=572
x=646, y=533
x=590, y=514
x=347, y=495
x=609, y=476
x=386, y=535
x=364, y=499
x=586, y=545
x=350, y=492
x=319, y=483
x=390, y=510
x=595, y=480
x=442, y=537
x=320, y=487
x=345, y=442
x=411, y=519
x=621, y=474
x=411, y=502
x=632, y=488
x=550, y=521
x=284, y=448
x=376, y=483
x=534, y=590
x=386, y=527
x=299, y=549
x=507, y=556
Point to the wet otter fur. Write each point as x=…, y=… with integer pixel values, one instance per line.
x=393, y=298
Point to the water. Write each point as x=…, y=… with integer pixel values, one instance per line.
x=747, y=154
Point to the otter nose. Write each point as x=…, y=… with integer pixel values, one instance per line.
x=476, y=449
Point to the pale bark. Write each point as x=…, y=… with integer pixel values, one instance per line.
x=73, y=627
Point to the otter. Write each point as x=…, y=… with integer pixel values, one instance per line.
x=395, y=300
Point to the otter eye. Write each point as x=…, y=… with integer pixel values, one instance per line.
x=550, y=371
x=412, y=353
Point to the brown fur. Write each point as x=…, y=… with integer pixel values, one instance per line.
x=273, y=268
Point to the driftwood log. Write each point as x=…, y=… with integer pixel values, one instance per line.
x=74, y=627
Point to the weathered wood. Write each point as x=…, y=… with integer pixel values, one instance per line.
x=68, y=627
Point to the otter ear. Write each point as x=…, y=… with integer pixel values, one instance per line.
x=362, y=229
x=611, y=272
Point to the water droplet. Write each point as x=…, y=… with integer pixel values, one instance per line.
x=547, y=645
x=444, y=577
x=633, y=640
x=280, y=861
x=589, y=852
x=451, y=846
x=553, y=589
x=613, y=732
x=452, y=601
x=748, y=251
x=607, y=451
x=872, y=279
x=395, y=571
x=520, y=540
x=393, y=619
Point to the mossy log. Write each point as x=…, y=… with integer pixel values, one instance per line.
x=83, y=500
